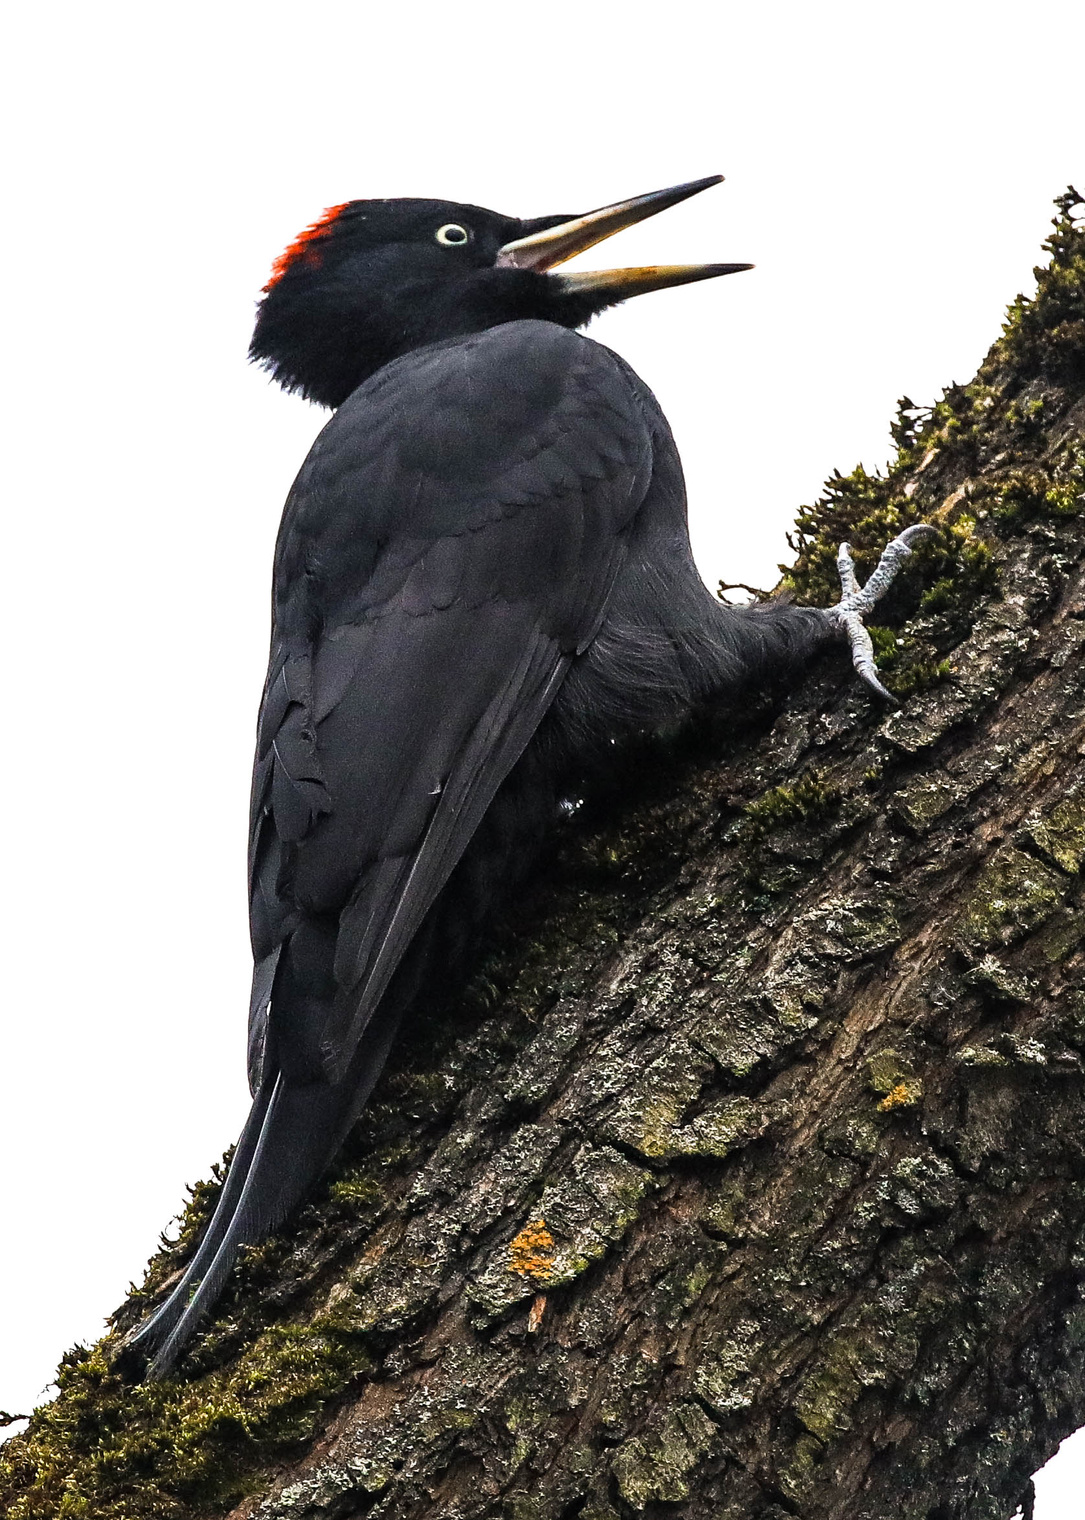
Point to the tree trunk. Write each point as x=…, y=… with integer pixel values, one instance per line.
x=748, y=1178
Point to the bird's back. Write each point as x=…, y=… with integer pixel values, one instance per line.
x=449, y=549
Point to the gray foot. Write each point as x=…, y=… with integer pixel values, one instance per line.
x=857, y=601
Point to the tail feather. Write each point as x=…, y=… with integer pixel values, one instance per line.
x=152, y=1331
x=296, y=1141
x=291, y=1135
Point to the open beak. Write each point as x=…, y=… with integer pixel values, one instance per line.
x=542, y=251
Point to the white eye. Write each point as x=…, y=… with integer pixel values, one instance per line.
x=452, y=234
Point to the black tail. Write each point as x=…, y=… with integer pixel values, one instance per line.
x=295, y=1128
x=290, y=1136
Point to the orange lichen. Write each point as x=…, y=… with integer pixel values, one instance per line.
x=531, y=1253
x=302, y=246
x=903, y=1095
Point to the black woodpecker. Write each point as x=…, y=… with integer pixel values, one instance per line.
x=482, y=580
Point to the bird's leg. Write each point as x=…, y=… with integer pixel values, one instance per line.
x=847, y=616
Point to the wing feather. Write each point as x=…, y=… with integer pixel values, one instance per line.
x=447, y=551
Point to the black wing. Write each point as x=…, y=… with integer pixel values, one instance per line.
x=448, y=548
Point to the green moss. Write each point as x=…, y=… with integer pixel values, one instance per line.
x=969, y=571
x=1044, y=337
x=906, y=664
x=654, y=1467
x=888, y=1069
x=945, y=577
x=1056, y=312
x=356, y=1189
x=808, y=799
x=801, y=1476
x=861, y=509
x=154, y=1449
x=825, y=1400
x=866, y=511
x=1027, y=492
x=1060, y=834
x=1013, y=896
x=649, y=1121
x=786, y=825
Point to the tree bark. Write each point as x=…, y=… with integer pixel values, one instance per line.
x=748, y=1177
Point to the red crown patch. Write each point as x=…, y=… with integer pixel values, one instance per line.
x=302, y=246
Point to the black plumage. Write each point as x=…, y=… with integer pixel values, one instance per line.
x=482, y=579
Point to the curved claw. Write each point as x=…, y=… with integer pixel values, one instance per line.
x=857, y=601
x=862, y=653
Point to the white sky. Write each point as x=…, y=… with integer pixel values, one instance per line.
x=890, y=170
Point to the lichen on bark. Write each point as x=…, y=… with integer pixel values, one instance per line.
x=749, y=1176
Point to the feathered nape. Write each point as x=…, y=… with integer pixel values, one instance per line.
x=303, y=247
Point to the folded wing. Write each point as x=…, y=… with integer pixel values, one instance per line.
x=447, y=550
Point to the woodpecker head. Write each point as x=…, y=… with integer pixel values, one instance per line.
x=374, y=279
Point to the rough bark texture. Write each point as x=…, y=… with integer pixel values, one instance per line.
x=749, y=1178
